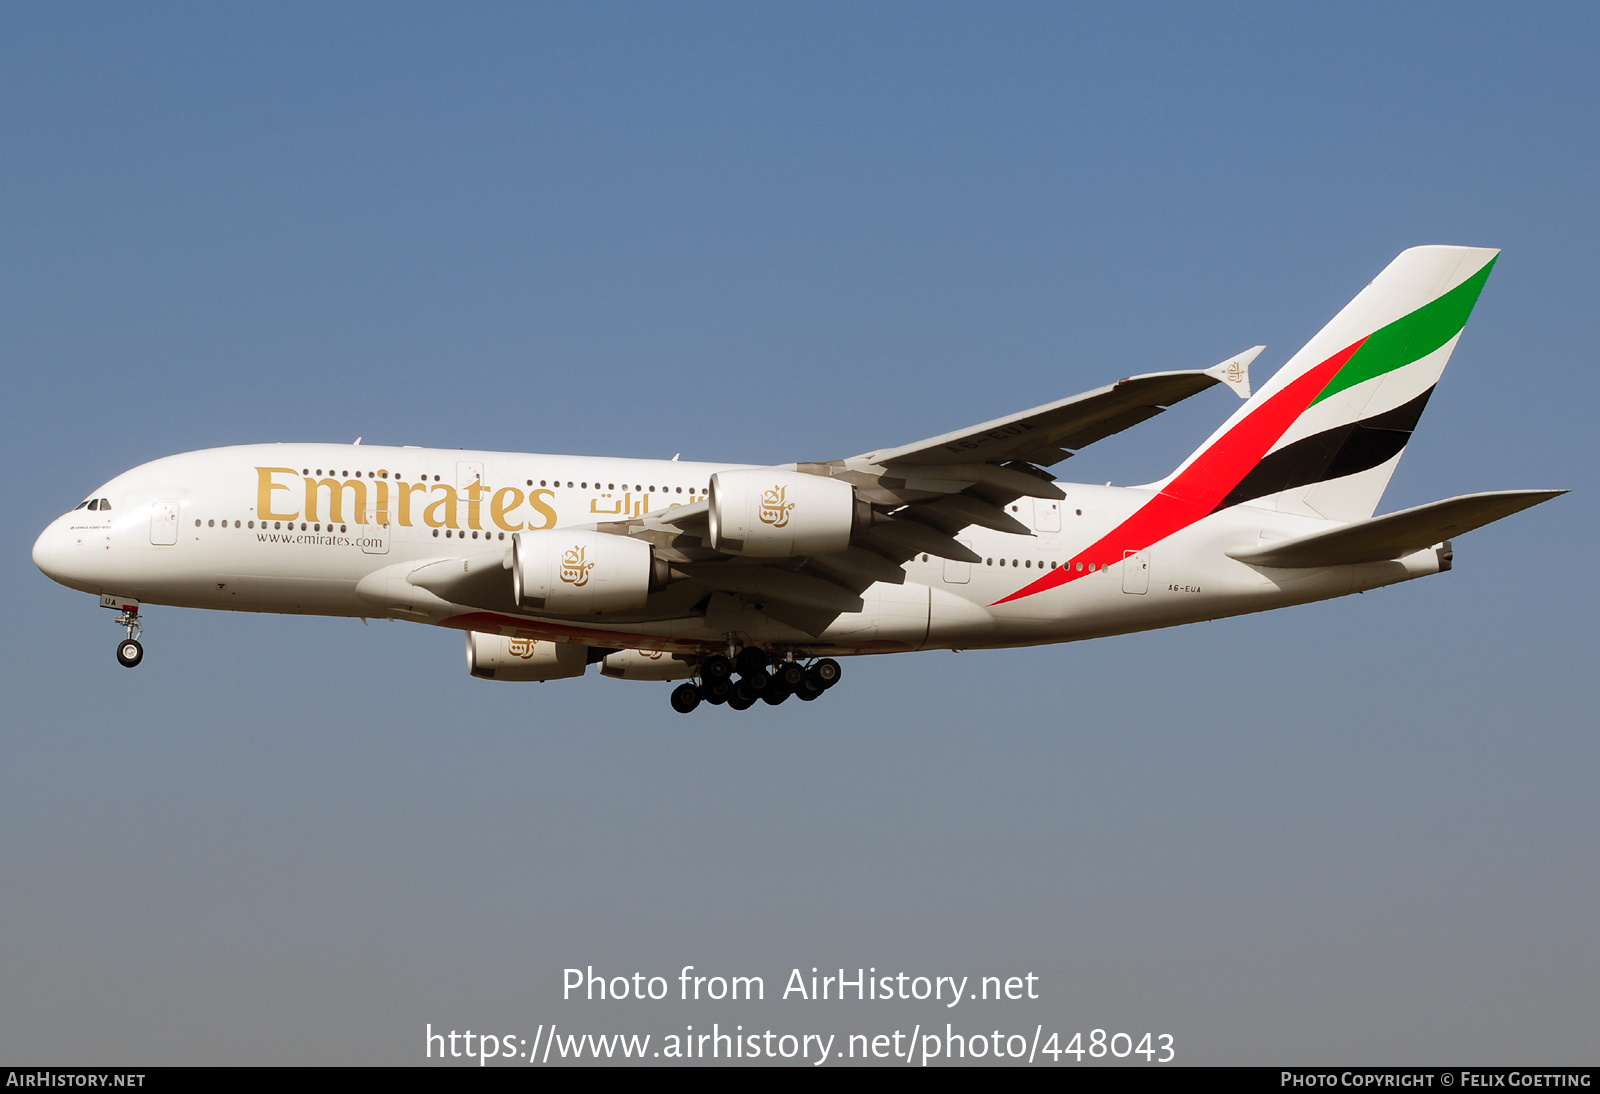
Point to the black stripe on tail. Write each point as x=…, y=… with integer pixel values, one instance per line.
x=1331, y=454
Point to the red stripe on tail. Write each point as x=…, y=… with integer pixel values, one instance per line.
x=1205, y=482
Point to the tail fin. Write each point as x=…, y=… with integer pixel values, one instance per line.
x=1323, y=436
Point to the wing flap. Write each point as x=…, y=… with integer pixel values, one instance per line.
x=1394, y=535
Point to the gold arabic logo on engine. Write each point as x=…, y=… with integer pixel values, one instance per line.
x=523, y=648
x=774, y=509
x=574, y=570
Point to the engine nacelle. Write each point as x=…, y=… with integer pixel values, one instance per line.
x=578, y=573
x=774, y=514
x=496, y=657
x=645, y=665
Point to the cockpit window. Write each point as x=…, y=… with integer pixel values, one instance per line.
x=93, y=505
x=105, y=504
x=80, y=505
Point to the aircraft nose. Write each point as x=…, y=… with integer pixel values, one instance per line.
x=53, y=553
x=49, y=553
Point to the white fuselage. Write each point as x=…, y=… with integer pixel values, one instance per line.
x=256, y=528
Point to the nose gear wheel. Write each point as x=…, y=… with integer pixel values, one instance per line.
x=130, y=651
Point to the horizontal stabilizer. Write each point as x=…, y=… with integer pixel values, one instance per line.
x=1394, y=535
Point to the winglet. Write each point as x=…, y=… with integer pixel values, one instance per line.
x=1235, y=371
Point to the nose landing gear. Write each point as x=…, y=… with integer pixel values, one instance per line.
x=129, y=651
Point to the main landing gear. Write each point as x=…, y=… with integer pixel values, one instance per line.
x=129, y=651
x=748, y=676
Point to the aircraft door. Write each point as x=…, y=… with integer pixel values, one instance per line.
x=1136, y=571
x=1046, y=515
x=374, y=532
x=164, y=523
x=957, y=572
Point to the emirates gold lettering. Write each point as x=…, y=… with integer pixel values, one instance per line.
x=537, y=500
x=447, y=504
x=475, y=494
x=507, y=497
x=331, y=495
x=336, y=491
x=382, y=504
x=266, y=484
x=404, y=490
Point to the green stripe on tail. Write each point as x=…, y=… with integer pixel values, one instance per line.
x=1411, y=337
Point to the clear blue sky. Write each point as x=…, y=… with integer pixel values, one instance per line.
x=1357, y=831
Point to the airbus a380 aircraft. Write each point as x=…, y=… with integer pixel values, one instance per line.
x=748, y=581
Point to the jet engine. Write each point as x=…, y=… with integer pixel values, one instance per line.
x=496, y=657
x=645, y=665
x=577, y=572
x=775, y=514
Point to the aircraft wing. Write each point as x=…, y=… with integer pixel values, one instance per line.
x=1050, y=433
x=916, y=499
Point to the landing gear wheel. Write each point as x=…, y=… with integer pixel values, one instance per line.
x=827, y=671
x=742, y=698
x=716, y=692
x=751, y=661
x=810, y=688
x=129, y=653
x=685, y=697
x=716, y=667
x=790, y=674
x=775, y=692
